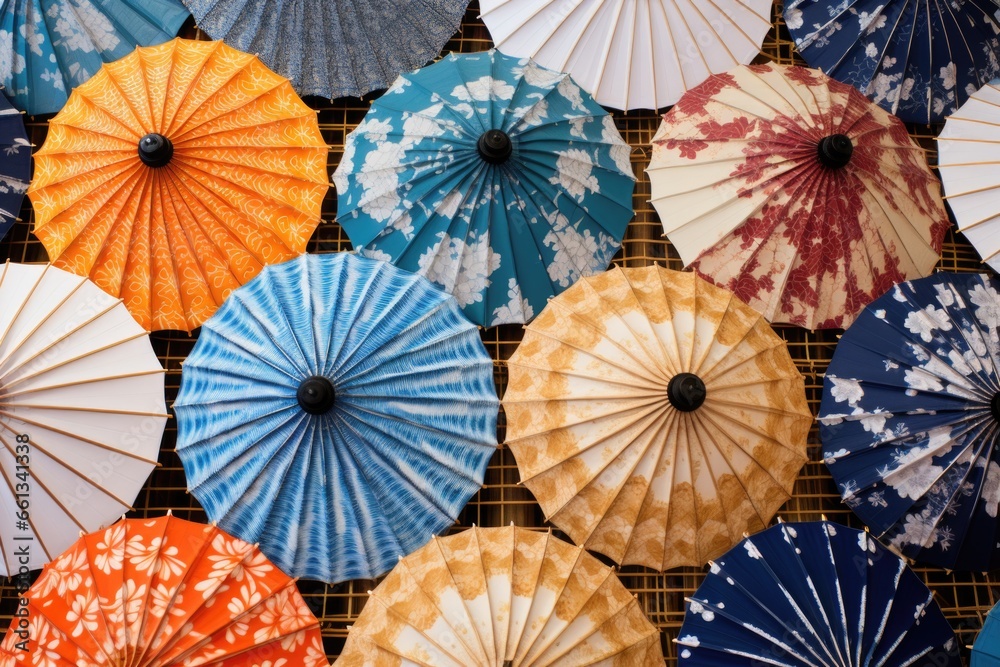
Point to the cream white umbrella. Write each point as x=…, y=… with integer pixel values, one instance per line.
x=631, y=54
x=655, y=417
x=969, y=164
x=81, y=411
x=488, y=597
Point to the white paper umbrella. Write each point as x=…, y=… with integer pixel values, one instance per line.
x=969, y=163
x=81, y=411
x=631, y=54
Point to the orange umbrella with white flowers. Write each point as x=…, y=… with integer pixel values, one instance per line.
x=175, y=174
x=163, y=592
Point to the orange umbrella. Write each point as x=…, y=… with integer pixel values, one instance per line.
x=175, y=174
x=162, y=592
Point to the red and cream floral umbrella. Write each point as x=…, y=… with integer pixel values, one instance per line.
x=161, y=592
x=795, y=192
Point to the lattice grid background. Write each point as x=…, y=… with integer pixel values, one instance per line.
x=964, y=598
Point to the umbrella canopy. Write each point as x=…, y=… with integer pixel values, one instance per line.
x=909, y=419
x=918, y=60
x=15, y=164
x=655, y=417
x=48, y=47
x=492, y=596
x=174, y=174
x=159, y=592
x=339, y=412
x=986, y=650
x=498, y=180
x=795, y=192
x=81, y=411
x=631, y=55
x=967, y=160
x=814, y=594
x=334, y=48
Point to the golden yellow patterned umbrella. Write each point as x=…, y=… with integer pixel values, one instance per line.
x=656, y=417
x=501, y=596
x=174, y=175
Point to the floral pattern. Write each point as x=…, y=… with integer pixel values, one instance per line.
x=501, y=596
x=48, y=47
x=913, y=443
x=742, y=194
x=342, y=493
x=413, y=187
x=610, y=459
x=334, y=48
x=917, y=60
x=108, y=615
x=814, y=594
x=243, y=187
x=15, y=161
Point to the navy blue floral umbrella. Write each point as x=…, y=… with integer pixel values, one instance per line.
x=15, y=162
x=918, y=60
x=814, y=594
x=909, y=419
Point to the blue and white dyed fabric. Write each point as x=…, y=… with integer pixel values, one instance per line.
x=918, y=60
x=413, y=188
x=986, y=650
x=334, y=48
x=814, y=594
x=340, y=494
x=15, y=164
x=909, y=419
x=48, y=47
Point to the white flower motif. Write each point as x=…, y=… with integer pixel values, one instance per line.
x=83, y=611
x=987, y=303
x=575, y=252
x=459, y=267
x=925, y=322
x=517, y=308
x=752, y=550
x=620, y=151
x=919, y=379
x=947, y=76
x=574, y=173
x=990, y=492
x=483, y=89
x=846, y=389
x=793, y=19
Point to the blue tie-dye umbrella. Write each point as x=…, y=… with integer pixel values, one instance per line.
x=499, y=180
x=814, y=594
x=339, y=411
x=918, y=60
x=909, y=419
x=15, y=164
x=48, y=47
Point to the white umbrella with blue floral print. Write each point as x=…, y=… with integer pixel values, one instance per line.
x=910, y=419
x=497, y=179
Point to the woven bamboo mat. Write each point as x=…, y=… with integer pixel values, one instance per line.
x=964, y=598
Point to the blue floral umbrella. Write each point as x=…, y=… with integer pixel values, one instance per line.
x=909, y=419
x=499, y=180
x=986, y=649
x=338, y=411
x=814, y=594
x=15, y=164
x=918, y=60
x=48, y=47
